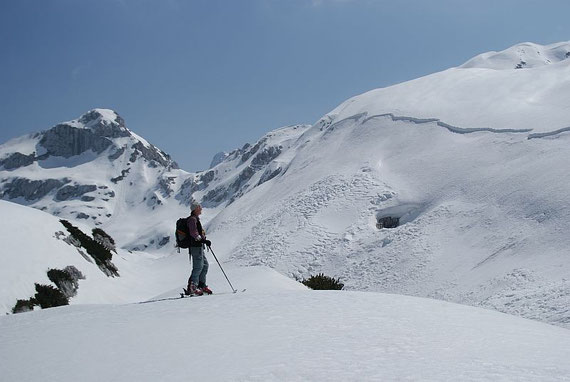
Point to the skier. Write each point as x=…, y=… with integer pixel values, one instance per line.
x=197, y=281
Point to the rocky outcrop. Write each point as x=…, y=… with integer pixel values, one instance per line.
x=96, y=122
x=17, y=160
x=164, y=186
x=31, y=190
x=248, y=154
x=73, y=192
x=269, y=174
x=66, y=141
x=117, y=154
x=206, y=178
x=184, y=196
x=265, y=156
x=231, y=192
x=152, y=155
x=121, y=177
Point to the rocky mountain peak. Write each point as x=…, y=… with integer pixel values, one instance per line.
x=104, y=122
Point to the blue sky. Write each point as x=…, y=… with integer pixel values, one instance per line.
x=198, y=77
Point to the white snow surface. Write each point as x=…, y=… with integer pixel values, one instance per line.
x=472, y=160
x=521, y=56
x=280, y=335
x=477, y=95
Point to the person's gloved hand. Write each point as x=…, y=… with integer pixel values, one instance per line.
x=207, y=242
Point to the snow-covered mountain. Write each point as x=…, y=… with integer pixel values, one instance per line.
x=451, y=186
x=91, y=168
x=95, y=169
x=470, y=163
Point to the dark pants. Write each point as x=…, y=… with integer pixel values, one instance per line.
x=199, y=266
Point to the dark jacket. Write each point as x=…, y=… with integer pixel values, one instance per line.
x=196, y=231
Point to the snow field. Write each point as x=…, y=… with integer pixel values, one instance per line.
x=486, y=215
x=281, y=335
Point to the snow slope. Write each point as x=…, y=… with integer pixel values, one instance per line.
x=35, y=247
x=487, y=92
x=281, y=335
x=471, y=159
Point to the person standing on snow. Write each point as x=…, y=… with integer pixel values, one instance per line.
x=197, y=281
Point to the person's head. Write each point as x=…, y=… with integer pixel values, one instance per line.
x=195, y=208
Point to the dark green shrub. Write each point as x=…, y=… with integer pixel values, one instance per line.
x=24, y=306
x=104, y=239
x=57, y=276
x=66, y=280
x=49, y=297
x=322, y=282
x=98, y=252
x=100, y=232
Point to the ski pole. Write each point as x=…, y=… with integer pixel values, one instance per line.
x=233, y=289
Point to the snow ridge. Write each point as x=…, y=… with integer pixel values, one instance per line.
x=453, y=129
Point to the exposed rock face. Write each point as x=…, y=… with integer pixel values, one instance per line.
x=266, y=156
x=66, y=141
x=31, y=190
x=269, y=174
x=243, y=177
x=117, y=154
x=260, y=162
x=215, y=197
x=121, y=177
x=152, y=154
x=17, y=160
x=102, y=127
x=206, y=178
x=198, y=183
x=73, y=192
x=231, y=192
x=184, y=196
x=252, y=151
x=165, y=240
x=164, y=186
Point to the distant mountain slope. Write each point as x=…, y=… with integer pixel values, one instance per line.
x=95, y=169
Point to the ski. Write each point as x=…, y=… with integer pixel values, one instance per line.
x=182, y=295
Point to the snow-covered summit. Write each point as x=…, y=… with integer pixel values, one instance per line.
x=521, y=56
x=474, y=98
x=91, y=168
x=97, y=118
